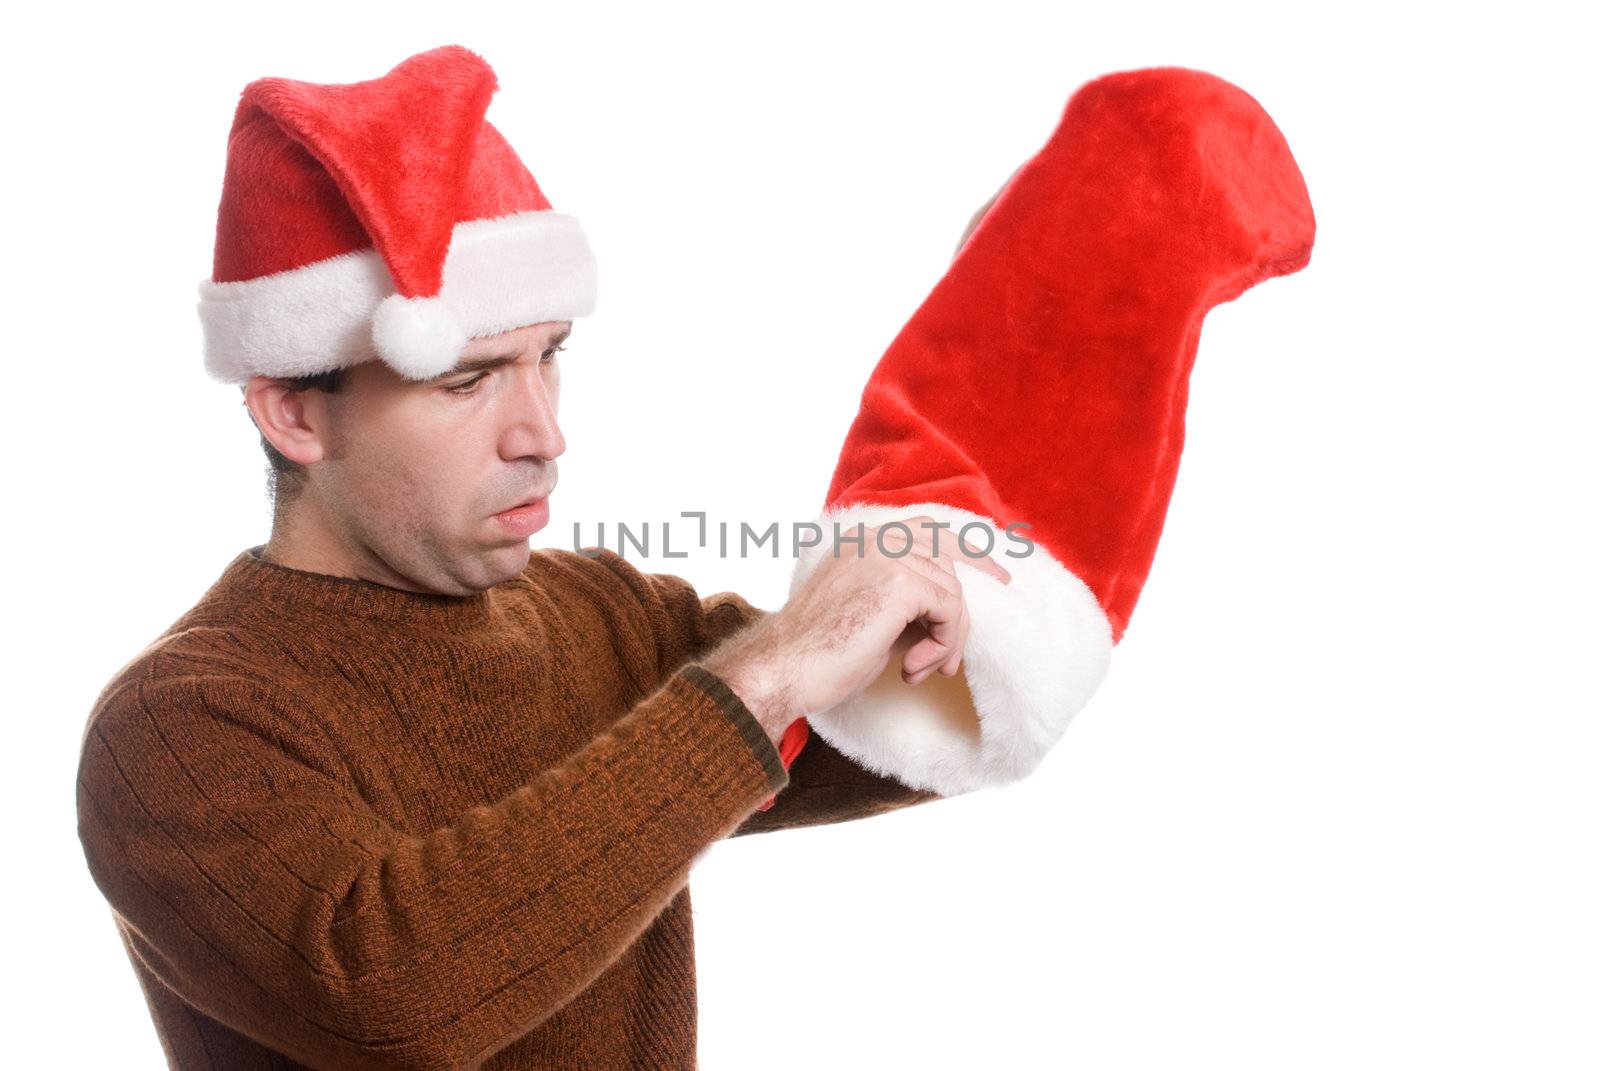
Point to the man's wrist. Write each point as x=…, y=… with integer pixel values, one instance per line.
x=760, y=680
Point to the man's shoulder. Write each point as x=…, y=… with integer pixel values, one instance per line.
x=222, y=640
x=588, y=558
x=221, y=634
x=190, y=660
x=599, y=588
x=597, y=572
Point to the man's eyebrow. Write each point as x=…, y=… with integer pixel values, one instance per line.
x=495, y=360
x=476, y=364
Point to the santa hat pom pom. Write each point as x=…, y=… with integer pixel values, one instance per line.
x=417, y=337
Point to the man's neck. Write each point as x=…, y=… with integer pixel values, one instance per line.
x=300, y=540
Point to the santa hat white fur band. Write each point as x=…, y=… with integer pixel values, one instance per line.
x=525, y=268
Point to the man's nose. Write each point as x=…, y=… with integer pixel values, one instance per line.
x=532, y=430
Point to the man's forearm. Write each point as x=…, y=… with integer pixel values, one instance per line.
x=825, y=785
x=751, y=664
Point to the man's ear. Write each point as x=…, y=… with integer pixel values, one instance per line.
x=293, y=427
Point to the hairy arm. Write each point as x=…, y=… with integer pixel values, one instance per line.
x=825, y=786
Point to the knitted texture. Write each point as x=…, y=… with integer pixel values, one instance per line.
x=343, y=825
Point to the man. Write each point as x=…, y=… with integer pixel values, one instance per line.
x=398, y=792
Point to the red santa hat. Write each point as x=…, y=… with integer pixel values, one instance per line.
x=384, y=218
x=1044, y=383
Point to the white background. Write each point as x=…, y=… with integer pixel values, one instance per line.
x=1335, y=805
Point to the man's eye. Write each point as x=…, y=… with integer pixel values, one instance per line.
x=550, y=354
x=466, y=387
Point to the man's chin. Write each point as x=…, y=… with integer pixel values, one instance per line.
x=511, y=554
x=497, y=564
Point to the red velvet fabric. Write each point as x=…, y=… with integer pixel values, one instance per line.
x=394, y=162
x=789, y=747
x=1044, y=380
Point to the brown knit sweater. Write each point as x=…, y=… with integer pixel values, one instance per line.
x=343, y=825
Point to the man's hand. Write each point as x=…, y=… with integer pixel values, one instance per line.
x=839, y=630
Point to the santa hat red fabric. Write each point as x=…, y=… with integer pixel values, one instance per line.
x=384, y=218
x=1044, y=382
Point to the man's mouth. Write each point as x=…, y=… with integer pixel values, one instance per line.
x=525, y=518
x=531, y=500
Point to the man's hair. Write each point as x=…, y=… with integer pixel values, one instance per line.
x=285, y=477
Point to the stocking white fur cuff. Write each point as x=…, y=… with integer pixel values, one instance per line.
x=1036, y=651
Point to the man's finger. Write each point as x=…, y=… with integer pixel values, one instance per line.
x=941, y=616
x=983, y=561
x=945, y=657
x=950, y=665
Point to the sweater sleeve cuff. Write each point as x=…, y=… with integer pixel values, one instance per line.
x=761, y=746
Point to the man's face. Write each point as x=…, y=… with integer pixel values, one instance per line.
x=413, y=473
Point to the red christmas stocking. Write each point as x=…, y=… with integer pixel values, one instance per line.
x=1043, y=383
